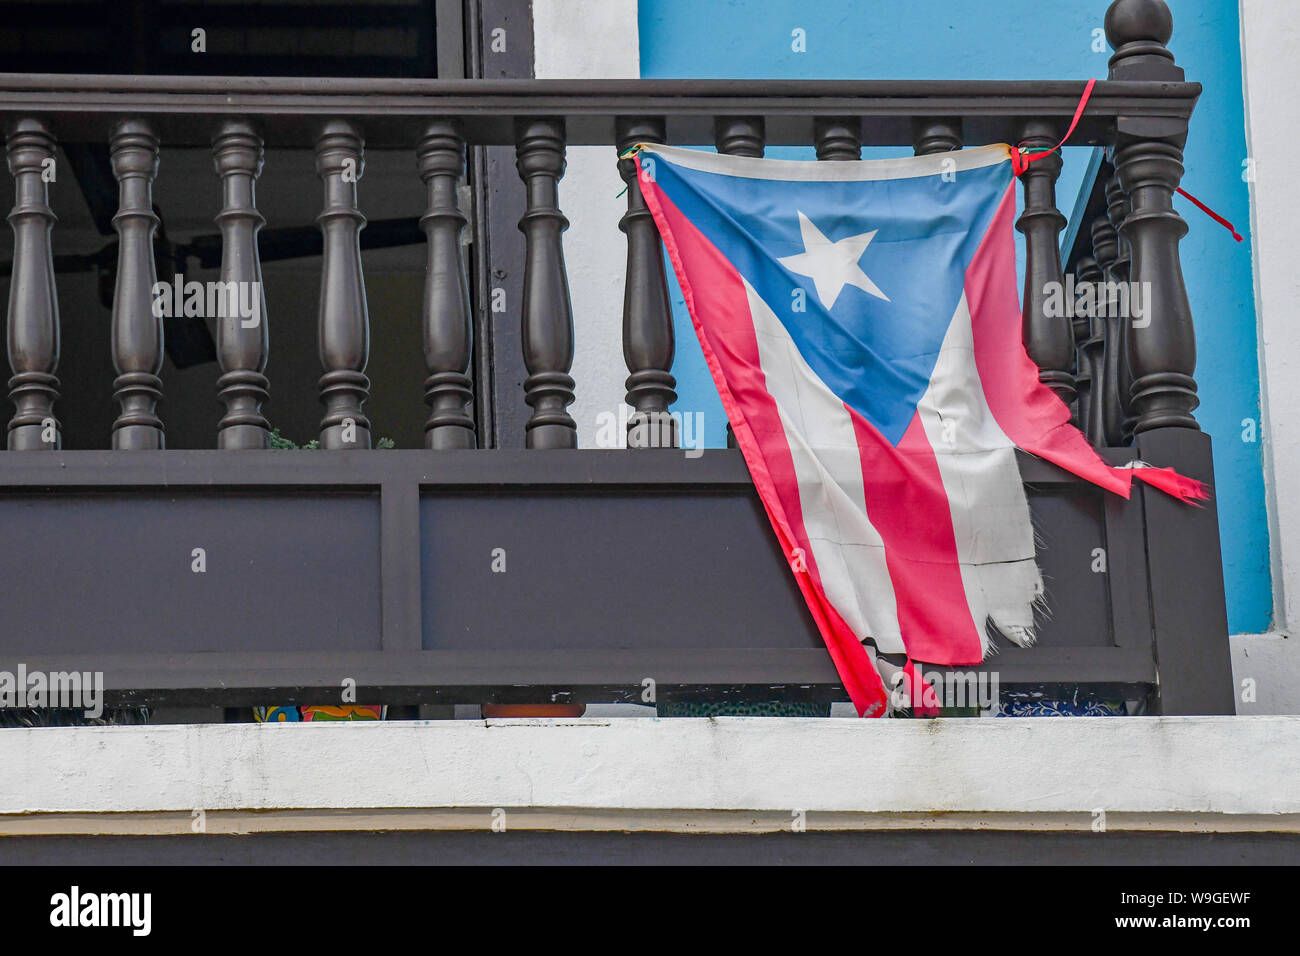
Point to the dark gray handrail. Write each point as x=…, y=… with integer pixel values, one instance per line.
x=186, y=110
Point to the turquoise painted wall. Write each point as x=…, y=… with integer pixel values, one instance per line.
x=1027, y=40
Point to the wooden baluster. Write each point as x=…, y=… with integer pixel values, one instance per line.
x=1081, y=331
x=137, y=333
x=1049, y=339
x=648, y=346
x=448, y=336
x=739, y=136
x=837, y=138
x=1105, y=248
x=1092, y=342
x=1117, y=209
x=344, y=324
x=1148, y=159
x=1189, y=618
x=241, y=338
x=547, y=309
x=940, y=134
x=33, y=333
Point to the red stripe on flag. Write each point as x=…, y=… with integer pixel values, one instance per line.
x=921, y=695
x=1172, y=483
x=1027, y=410
x=907, y=504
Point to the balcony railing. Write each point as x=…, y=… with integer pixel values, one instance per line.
x=469, y=575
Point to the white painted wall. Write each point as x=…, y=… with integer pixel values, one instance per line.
x=1267, y=668
x=1151, y=765
x=592, y=39
x=1270, y=38
x=1270, y=35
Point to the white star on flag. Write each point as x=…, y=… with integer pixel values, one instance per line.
x=832, y=265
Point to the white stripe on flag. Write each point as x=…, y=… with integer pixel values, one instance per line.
x=990, y=513
x=848, y=550
x=859, y=171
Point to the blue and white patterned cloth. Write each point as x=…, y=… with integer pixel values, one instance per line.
x=1028, y=705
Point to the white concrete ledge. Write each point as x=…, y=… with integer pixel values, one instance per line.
x=1266, y=673
x=1182, y=773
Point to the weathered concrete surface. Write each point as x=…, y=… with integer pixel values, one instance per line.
x=1144, y=765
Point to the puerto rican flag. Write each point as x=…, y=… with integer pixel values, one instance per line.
x=862, y=324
